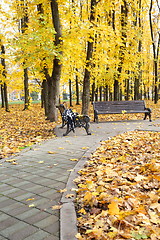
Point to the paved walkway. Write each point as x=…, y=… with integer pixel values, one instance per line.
x=30, y=181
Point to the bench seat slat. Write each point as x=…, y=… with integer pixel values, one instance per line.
x=120, y=112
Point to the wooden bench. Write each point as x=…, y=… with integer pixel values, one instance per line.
x=120, y=107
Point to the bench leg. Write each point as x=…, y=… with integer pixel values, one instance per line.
x=149, y=115
x=87, y=124
x=63, y=124
x=70, y=127
x=87, y=129
x=95, y=117
x=83, y=121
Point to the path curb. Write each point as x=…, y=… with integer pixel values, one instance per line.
x=68, y=219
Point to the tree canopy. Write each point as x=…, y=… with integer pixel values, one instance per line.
x=121, y=32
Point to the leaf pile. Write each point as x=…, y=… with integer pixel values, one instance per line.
x=118, y=194
x=20, y=129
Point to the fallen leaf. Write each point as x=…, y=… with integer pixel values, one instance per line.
x=69, y=195
x=31, y=205
x=113, y=208
x=30, y=199
x=73, y=159
x=62, y=190
x=56, y=207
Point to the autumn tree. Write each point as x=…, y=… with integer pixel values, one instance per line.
x=86, y=81
x=3, y=83
x=54, y=80
x=155, y=36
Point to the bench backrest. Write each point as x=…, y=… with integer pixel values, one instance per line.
x=119, y=106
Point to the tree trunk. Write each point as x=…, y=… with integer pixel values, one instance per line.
x=45, y=96
x=155, y=54
x=93, y=92
x=127, y=89
x=6, y=98
x=24, y=22
x=106, y=93
x=77, y=91
x=4, y=87
x=54, y=80
x=86, y=81
x=70, y=93
x=96, y=94
x=116, y=89
x=2, y=95
x=124, y=13
x=100, y=93
x=138, y=78
x=26, y=90
x=23, y=27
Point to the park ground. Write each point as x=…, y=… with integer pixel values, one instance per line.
x=121, y=203
x=20, y=129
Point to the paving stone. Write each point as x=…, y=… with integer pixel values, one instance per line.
x=23, y=233
x=37, y=189
x=14, y=208
x=4, y=187
x=16, y=193
x=23, y=184
x=37, y=217
x=6, y=203
x=47, y=182
x=7, y=223
x=40, y=201
x=3, y=216
x=46, y=222
x=63, y=178
x=9, y=180
x=3, y=198
x=3, y=238
x=30, y=212
x=52, y=237
x=12, y=229
x=53, y=228
x=39, y=235
x=49, y=192
x=9, y=191
x=24, y=196
x=53, y=196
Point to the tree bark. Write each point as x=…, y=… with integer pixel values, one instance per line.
x=124, y=13
x=86, y=81
x=93, y=92
x=4, y=87
x=26, y=90
x=100, y=93
x=54, y=80
x=155, y=54
x=77, y=91
x=106, y=93
x=23, y=27
x=6, y=97
x=138, y=78
x=127, y=89
x=2, y=95
x=70, y=93
x=45, y=96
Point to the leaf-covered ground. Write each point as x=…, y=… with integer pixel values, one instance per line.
x=20, y=129
x=118, y=194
